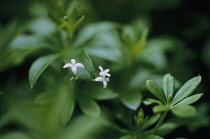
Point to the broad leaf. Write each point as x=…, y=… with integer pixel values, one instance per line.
x=89, y=107
x=155, y=90
x=168, y=85
x=184, y=111
x=150, y=101
x=131, y=100
x=189, y=100
x=90, y=31
x=186, y=89
x=39, y=66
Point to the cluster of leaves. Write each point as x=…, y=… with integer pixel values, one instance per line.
x=71, y=106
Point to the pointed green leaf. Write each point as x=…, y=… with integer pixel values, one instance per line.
x=89, y=107
x=87, y=62
x=189, y=100
x=160, y=108
x=153, y=119
x=184, y=111
x=131, y=100
x=168, y=85
x=155, y=90
x=39, y=66
x=186, y=89
x=150, y=101
x=83, y=73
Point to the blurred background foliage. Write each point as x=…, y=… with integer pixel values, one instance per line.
x=136, y=39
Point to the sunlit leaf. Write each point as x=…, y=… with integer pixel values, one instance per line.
x=186, y=89
x=189, y=100
x=39, y=66
x=168, y=85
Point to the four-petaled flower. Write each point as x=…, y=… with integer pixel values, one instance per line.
x=104, y=72
x=103, y=79
x=73, y=65
x=103, y=75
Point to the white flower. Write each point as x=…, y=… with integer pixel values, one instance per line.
x=73, y=65
x=103, y=79
x=104, y=72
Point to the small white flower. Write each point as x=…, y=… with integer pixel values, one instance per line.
x=104, y=72
x=73, y=65
x=103, y=79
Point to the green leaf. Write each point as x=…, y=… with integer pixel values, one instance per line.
x=15, y=135
x=83, y=73
x=186, y=89
x=184, y=111
x=68, y=111
x=89, y=107
x=168, y=85
x=153, y=119
x=101, y=93
x=91, y=31
x=148, y=54
x=160, y=108
x=150, y=101
x=128, y=137
x=39, y=66
x=110, y=54
x=189, y=100
x=155, y=90
x=131, y=100
x=87, y=62
x=167, y=128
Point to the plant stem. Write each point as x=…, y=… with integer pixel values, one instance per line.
x=160, y=121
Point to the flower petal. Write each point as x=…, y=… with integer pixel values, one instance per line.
x=79, y=65
x=73, y=61
x=107, y=74
x=107, y=79
x=67, y=65
x=107, y=70
x=99, y=79
x=101, y=68
x=105, y=84
x=74, y=69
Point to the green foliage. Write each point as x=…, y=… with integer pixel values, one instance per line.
x=39, y=66
x=70, y=102
x=179, y=104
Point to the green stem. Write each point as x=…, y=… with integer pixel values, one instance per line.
x=160, y=121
